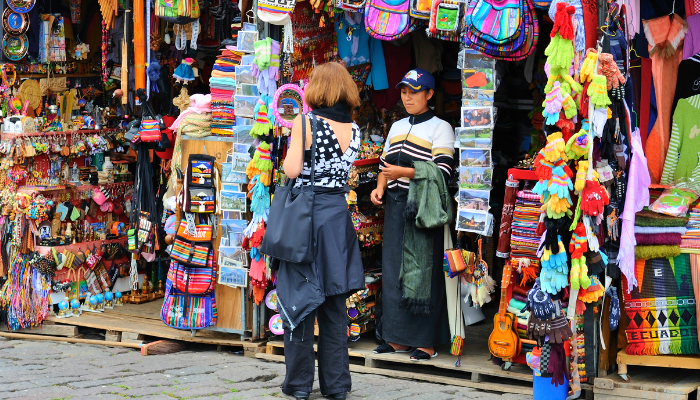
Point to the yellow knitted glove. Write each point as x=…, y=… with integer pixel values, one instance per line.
x=554, y=149
x=569, y=106
x=588, y=65
x=598, y=92
x=581, y=172
x=575, y=86
x=574, y=274
x=584, y=278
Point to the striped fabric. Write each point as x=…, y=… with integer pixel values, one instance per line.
x=187, y=312
x=681, y=145
x=387, y=19
x=190, y=253
x=196, y=281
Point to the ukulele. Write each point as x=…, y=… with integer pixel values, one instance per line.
x=504, y=342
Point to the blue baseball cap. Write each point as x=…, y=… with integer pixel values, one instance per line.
x=418, y=79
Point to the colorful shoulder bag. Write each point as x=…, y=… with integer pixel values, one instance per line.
x=446, y=19
x=497, y=21
x=181, y=311
x=420, y=9
x=192, y=249
x=387, y=19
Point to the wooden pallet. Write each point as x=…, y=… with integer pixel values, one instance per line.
x=649, y=383
x=137, y=323
x=476, y=371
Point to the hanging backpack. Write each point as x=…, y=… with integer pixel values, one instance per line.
x=446, y=18
x=516, y=50
x=497, y=21
x=177, y=11
x=420, y=9
x=276, y=12
x=181, y=311
x=387, y=19
x=194, y=280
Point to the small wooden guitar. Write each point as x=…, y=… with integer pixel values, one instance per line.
x=504, y=342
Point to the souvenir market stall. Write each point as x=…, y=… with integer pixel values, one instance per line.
x=140, y=163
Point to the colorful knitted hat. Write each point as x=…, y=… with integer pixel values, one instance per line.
x=262, y=123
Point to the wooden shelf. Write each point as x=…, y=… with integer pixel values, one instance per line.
x=35, y=76
x=51, y=133
x=71, y=188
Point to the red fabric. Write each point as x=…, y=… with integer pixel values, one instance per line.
x=645, y=100
x=399, y=64
x=670, y=239
x=590, y=22
x=168, y=154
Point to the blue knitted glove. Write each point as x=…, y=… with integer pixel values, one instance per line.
x=540, y=187
x=255, y=254
x=560, y=184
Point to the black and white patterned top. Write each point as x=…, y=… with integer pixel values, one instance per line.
x=332, y=165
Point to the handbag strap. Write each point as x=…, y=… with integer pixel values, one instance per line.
x=314, y=124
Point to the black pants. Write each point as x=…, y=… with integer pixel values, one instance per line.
x=333, y=361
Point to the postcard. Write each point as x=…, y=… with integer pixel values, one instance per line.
x=472, y=59
x=476, y=200
x=478, y=78
x=474, y=138
x=477, y=98
x=246, y=89
x=471, y=221
x=231, y=187
x=477, y=117
x=475, y=158
x=234, y=225
x=240, y=147
x=232, y=214
x=475, y=178
x=246, y=41
x=240, y=162
x=244, y=105
x=233, y=275
x=244, y=74
x=235, y=201
x=235, y=254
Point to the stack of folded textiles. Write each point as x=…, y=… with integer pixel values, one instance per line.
x=658, y=235
x=691, y=238
x=524, y=239
x=223, y=86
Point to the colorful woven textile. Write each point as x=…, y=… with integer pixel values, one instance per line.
x=661, y=311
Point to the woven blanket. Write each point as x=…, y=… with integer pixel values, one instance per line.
x=670, y=239
x=661, y=310
x=660, y=251
x=650, y=218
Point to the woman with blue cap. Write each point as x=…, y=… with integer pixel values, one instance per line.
x=414, y=311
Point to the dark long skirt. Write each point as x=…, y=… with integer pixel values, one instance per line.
x=398, y=324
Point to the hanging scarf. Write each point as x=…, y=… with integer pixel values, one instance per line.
x=665, y=34
x=339, y=112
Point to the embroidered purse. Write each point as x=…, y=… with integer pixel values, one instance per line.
x=420, y=9
x=195, y=281
x=192, y=249
x=187, y=312
x=497, y=21
x=387, y=19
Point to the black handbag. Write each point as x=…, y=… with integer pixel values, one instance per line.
x=289, y=234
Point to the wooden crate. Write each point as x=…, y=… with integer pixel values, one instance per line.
x=476, y=371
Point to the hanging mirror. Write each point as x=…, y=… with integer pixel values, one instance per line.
x=287, y=103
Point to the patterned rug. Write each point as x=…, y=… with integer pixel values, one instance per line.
x=661, y=311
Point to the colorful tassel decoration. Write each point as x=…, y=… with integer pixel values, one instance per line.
x=598, y=92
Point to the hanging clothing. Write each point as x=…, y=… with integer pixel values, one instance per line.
x=684, y=146
x=356, y=46
x=428, y=51
x=692, y=7
x=688, y=83
x=665, y=38
x=400, y=55
x=590, y=21
x=691, y=43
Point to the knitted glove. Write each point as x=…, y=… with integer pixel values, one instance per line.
x=554, y=150
x=552, y=104
x=581, y=173
x=577, y=146
x=593, y=198
x=569, y=106
x=608, y=68
x=598, y=93
x=560, y=184
x=575, y=86
x=578, y=244
x=559, y=330
x=554, y=229
x=556, y=206
x=262, y=53
x=262, y=123
x=593, y=293
x=540, y=303
x=554, y=76
x=614, y=307
x=541, y=188
x=536, y=328
x=554, y=280
x=583, y=277
x=559, y=19
x=257, y=268
x=587, y=68
x=596, y=262
x=274, y=67
x=543, y=168
x=256, y=239
x=574, y=273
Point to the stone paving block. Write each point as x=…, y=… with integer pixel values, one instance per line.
x=145, y=391
x=92, y=383
x=200, y=369
x=256, y=393
x=244, y=374
x=190, y=379
x=209, y=390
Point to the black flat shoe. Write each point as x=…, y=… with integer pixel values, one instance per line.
x=386, y=348
x=297, y=394
x=337, y=396
x=420, y=355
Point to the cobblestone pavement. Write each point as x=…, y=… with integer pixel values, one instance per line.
x=53, y=370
